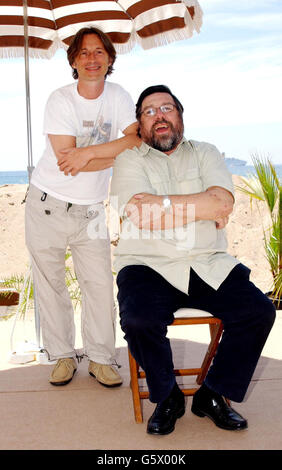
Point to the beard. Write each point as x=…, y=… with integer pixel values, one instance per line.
x=164, y=143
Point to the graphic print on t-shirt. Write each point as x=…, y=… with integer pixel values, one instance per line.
x=97, y=133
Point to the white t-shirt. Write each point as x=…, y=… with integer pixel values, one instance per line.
x=91, y=121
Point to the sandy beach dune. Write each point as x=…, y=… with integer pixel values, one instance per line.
x=244, y=233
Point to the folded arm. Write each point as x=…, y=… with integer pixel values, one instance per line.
x=146, y=210
x=72, y=159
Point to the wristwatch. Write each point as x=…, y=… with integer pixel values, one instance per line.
x=166, y=204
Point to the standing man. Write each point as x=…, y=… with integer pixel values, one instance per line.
x=175, y=197
x=66, y=195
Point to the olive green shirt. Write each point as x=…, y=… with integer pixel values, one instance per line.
x=192, y=168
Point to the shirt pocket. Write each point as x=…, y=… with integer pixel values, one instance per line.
x=189, y=181
x=160, y=182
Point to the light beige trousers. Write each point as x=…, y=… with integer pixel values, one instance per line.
x=52, y=226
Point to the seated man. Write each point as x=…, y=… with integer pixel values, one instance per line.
x=177, y=196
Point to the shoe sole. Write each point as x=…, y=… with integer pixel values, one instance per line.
x=105, y=385
x=65, y=382
x=201, y=414
x=179, y=414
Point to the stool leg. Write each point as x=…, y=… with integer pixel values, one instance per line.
x=215, y=332
x=133, y=366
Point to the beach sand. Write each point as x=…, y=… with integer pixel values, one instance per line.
x=244, y=234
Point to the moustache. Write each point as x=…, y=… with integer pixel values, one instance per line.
x=162, y=121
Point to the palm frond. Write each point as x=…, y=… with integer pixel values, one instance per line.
x=13, y=282
x=272, y=255
x=277, y=290
x=252, y=187
x=265, y=186
x=272, y=245
x=267, y=177
x=274, y=174
x=17, y=282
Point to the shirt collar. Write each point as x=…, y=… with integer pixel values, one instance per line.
x=145, y=149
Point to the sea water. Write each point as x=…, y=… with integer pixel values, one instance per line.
x=21, y=177
x=13, y=177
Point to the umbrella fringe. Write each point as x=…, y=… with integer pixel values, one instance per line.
x=198, y=17
x=163, y=39
x=160, y=39
x=16, y=52
x=128, y=46
x=179, y=34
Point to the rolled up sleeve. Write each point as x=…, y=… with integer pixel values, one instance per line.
x=214, y=170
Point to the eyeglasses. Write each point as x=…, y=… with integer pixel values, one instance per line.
x=164, y=108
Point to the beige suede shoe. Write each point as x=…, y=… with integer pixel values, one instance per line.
x=63, y=371
x=105, y=374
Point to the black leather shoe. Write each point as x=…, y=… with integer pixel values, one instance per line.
x=166, y=413
x=211, y=404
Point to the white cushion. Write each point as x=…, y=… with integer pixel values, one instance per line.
x=191, y=312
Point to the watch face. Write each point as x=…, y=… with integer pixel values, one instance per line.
x=166, y=202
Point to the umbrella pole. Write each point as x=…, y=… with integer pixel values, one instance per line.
x=30, y=166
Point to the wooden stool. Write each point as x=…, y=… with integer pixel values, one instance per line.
x=183, y=316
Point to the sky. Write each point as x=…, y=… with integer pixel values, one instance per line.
x=228, y=78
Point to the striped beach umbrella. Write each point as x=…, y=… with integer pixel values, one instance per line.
x=37, y=28
x=52, y=23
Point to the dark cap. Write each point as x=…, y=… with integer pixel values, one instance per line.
x=156, y=89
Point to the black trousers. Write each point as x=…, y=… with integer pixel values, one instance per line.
x=147, y=303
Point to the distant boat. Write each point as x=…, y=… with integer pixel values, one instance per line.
x=235, y=162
